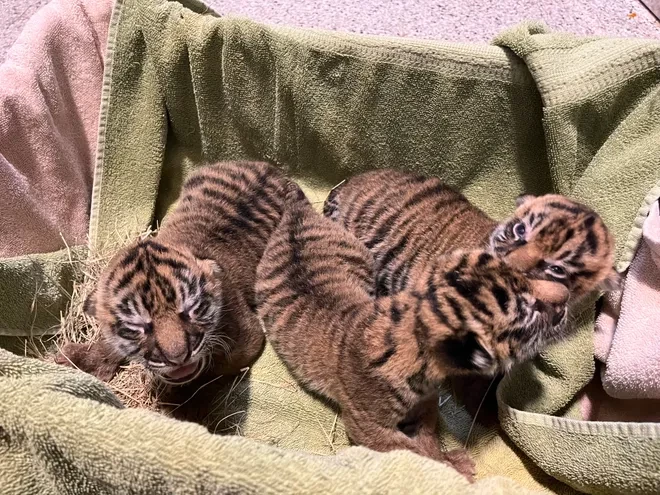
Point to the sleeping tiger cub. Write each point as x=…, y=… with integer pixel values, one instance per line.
x=382, y=360
x=406, y=220
x=183, y=303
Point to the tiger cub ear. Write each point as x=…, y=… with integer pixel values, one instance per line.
x=524, y=198
x=89, y=306
x=613, y=281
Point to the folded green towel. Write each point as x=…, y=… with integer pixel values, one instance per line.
x=65, y=432
x=541, y=112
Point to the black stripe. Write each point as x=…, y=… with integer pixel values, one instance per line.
x=589, y=222
x=123, y=306
x=569, y=234
x=202, y=309
x=363, y=209
x=293, y=318
x=432, y=298
x=592, y=241
x=421, y=332
x=501, y=296
x=277, y=271
x=145, y=295
x=128, y=334
x=456, y=308
x=352, y=259
x=128, y=276
x=384, y=358
x=392, y=253
x=417, y=381
x=484, y=258
x=404, y=406
x=350, y=310
x=284, y=301
x=399, y=278
x=171, y=262
x=575, y=263
x=130, y=257
x=165, y=287
x=564, y=255
x=156, y=246
x=382, y=285
x=395, y=313
x=575, y=210
x=469, y=290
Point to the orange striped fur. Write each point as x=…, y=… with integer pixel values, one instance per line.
x=406, y=220
x=382, y=359
x=183, y=303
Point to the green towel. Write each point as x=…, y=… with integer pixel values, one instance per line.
x=537, y=112
x=64, y=432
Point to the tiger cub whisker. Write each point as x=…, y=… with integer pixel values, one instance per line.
x=407, y=220
x=382, y=360
x=181, y=302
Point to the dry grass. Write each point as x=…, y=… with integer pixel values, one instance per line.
x=133, y=385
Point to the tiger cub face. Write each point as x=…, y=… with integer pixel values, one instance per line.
x=160, y=306
x=497, y=314
x=551, y=237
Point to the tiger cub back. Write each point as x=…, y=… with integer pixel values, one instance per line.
x=407, y=219
x=183, y=303
x=382, y=360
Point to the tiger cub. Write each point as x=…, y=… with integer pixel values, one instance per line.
x=183, y=303
x=406, y=220
x=382, y=360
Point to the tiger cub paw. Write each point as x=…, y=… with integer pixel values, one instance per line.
x=88, y=358
x=461, y=461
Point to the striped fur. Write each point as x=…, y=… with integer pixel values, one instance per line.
x=382, y=359
x=406, y=220
x=183, y=303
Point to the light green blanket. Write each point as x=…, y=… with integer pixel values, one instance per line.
x=536, y=112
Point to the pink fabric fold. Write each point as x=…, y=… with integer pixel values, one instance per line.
x=50, y=96
x=630, y=345
x=596, y=405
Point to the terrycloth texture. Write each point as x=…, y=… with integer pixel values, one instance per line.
x=596, y=405
x=606, y=325
x=55, y=441
x=187, y=88
x=632, y=368
x=49, y=105
x=184, y=88
x=50, y=95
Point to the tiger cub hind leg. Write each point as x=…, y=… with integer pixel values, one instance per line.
x=417, y=432
x=314, y=287
x=387, y=355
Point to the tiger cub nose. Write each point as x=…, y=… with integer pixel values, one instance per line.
x=550, y=292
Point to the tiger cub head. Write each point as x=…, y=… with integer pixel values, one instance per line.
x=159, y=305
x=497, y=315
x=551, y=237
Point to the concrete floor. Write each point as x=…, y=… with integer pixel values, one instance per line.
x=431, y=19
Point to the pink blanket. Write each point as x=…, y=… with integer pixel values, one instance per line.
x=632, y=368
x=50, y=96
x=627, y=340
